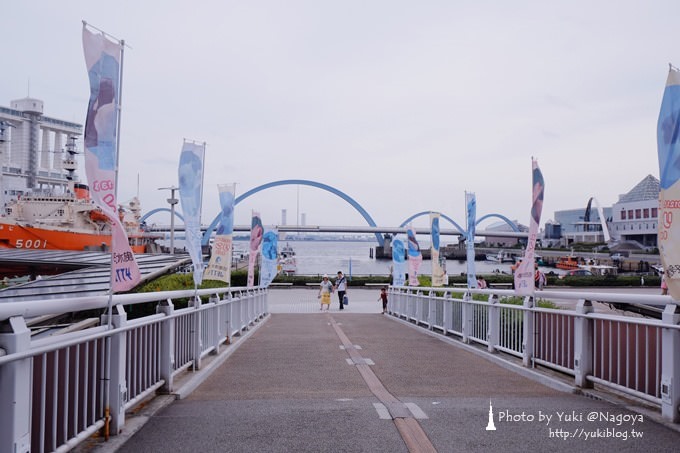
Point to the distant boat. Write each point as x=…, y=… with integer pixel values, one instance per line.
x=567, y=262
x=537, y=258
x=287, y=264
x=500, y=257
x=600, y=270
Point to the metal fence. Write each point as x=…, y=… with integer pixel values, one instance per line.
x=637, y=356
x=74, y=383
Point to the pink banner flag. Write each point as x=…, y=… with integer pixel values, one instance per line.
x=525, y=275
x=102, y=58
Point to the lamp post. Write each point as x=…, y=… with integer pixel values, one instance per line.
x=173, y=201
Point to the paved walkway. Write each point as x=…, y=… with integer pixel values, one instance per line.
x=355, y=381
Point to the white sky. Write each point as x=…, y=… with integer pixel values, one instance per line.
x=402, y=105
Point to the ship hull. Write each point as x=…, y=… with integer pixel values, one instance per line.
x=25, y=237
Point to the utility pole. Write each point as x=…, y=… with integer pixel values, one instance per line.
x=173, y=201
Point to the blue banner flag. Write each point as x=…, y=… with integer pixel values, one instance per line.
x=471, y=211
x=668, y=144
x=270, y=255
x=191, y=196
x=398, y=262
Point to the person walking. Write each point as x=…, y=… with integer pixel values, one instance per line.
x=325, y=290
x=664, y=284
x=383, y=298
x=341, y=288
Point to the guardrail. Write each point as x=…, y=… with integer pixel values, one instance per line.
x=57, y=391
x=637, y=356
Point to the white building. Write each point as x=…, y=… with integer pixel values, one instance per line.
x=636, y=214
x=33, y=149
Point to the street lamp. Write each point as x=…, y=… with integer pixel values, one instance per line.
x=173, y=201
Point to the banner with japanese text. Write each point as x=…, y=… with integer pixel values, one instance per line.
x=270, y=255
x=668, y=145
x=191, y=198
x=415, y=258
x=398, y=262
x=525, y=273
x=437, y=269
x=219, y=267
x=102, y=58
x=471, y=216
x=256, y=232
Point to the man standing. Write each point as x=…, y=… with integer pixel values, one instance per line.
x=341, y=287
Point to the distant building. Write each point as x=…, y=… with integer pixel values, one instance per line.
x=501, y=241
x=632, y=219
x=636, y=214
x=33, y=149
x=553, y=230
x=284, y=214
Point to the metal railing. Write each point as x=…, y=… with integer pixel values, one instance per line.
x=637, y=356
x=71, y=382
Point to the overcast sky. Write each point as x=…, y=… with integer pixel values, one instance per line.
x=402, y=105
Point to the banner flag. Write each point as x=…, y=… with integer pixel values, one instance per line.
x=415, y=258
x=191, y=196
x=437, y=269
x=398, y=262
x=668, y=144
x=270, y=254
x=525, y=273
x=219, y=267
x=102, y=58
x=471, y=214
x=256, y=232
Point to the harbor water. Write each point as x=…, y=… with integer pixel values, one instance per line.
x=329, y=257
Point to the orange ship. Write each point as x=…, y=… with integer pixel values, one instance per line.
x=567, y=262
x=70, y=221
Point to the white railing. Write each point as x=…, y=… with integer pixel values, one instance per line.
x=68, y=384
x=637, y=356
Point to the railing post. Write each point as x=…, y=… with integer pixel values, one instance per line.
x=265, y=305
x=583, y=344
x=215, y=319
x=670, y=364
x=15, y=387
x=118, y=394
x=196, y=334
x=493, y=334
x=431, y=312
x=167, y=344
x=447, y=308
x=528, y=338
x=466, y=324
x=227, y=322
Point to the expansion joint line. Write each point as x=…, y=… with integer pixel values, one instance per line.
x=410, y=430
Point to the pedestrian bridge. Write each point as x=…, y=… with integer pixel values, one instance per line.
x=247, y=369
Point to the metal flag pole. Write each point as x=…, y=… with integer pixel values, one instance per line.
x=200, y=213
